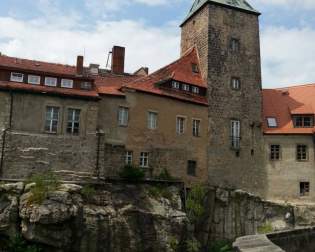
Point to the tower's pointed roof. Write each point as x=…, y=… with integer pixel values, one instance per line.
x=242, y=5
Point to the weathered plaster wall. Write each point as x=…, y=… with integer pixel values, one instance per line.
x=211, y=30
x=285, y=175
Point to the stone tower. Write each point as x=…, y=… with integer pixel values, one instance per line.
x=226, y=34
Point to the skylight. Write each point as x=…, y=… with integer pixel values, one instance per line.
x=272, y=122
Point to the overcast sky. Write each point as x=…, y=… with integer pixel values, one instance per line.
x=59, y=30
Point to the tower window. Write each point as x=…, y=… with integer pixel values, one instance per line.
x=235, y=134
x=235, y=83
x=235, y=45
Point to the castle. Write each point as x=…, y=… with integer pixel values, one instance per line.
x=204, y=118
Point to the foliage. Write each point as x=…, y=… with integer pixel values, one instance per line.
x=195, y=203
x=18, y=244
x=87, y=191
x=265, y=229
x=221, y=246
x=165, y=175
x=173, y=243
x=193, y=245
x=43, y=184
x=160, y=192
x=132, y=173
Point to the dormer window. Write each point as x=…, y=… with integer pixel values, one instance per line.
x=17, y=77
x=175, y=84
x=66, y=83
x=272, y=122
x=303, y=121
x=195, y=90
x=195, y=68
x=50, y=81
x=185, y=87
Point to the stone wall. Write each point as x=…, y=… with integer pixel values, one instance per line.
x=211, y=30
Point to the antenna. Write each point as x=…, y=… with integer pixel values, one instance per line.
x=109, y=53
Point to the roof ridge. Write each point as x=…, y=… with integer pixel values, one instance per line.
x=295, y=86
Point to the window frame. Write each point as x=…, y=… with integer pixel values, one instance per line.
x=195, y=90
x=175, y=85
x=278, y=153
x=32, y=76
x=62, y=84
x=196, y=133
x=180, y=130
x=303, y=192
x=73, y=121
x=128, y=157
x=21, y=79
x=186, y=87
x=306, y=153
x=123, y=116
x=51, y=119
x=51, y=78
x=192, y=164
x=152, y=125
x=236, y=80
x=144, y=159
x=303, y=117
x=235, y=138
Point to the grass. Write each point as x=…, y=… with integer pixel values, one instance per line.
x=44, y=183
x=165, y=175
x=265, y=229
x=132, y=173
x=18, y=244
x=195, y=203
x=160, y=192
x=88, y=191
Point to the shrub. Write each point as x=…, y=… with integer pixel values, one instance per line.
x=221, y=246
x=160, y=191
x=193, y=245
x=132, y=173
x=195, y=203
x=173, y=243
x=18, y=244
x=44, y=183
x=87, y=191
x=265, y=229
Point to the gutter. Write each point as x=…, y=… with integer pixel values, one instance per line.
x=4, y=134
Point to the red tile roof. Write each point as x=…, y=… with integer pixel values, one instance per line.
x=37, y=66
x=8, y=85
x=282, y=103
x=180, y=70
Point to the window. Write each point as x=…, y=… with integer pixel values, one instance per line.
x=196, y=128
x=272, y=122
x=34, y=79
x=191, y=168
x=180, y=125
x=195, y=68
x=52, y=117
x=301, y=152
x=17, y=77
x=175, y=84
x=235, y=45
x=303, y=121
x=128, y=157
x=73, y=124
x=235, y=83
x=50, y=81
x=65, y=83
x=195, y=90
x=123, y=116
x=152, y=120
x=304, y=189
x=144, y=159
x=185, y=87
x=86, y=85
x=274, y=152
x=235, y=134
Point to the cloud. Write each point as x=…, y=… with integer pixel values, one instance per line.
x=145, y=46
x=288, y=56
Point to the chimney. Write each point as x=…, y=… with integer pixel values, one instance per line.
x=118, y=60
x=80, y=60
